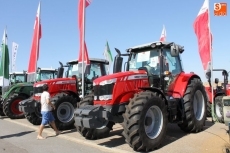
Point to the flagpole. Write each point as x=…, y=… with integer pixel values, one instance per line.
x=37, y=40
x=210, y=43
x=83, y=48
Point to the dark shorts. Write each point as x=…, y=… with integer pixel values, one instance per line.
x=47, y=117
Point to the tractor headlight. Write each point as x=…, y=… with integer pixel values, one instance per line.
x=110, y=81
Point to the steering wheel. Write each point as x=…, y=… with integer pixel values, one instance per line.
x=150, y=69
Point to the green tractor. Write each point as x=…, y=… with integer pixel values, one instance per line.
x=21, y=91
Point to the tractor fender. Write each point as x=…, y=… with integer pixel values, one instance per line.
x=178, y=86
x=74, y=94
x=153, y=89
x=219, y=94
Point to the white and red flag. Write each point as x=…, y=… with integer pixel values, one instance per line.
x=34, y=53
x=204, y=36
x=163, y=34
x=83, y=61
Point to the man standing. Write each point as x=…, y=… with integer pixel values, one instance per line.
x=47, y=116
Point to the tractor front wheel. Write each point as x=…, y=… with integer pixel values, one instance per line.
x=64, y=112
x=10, y=107
x=195, y=107
x=218, y=109
x=145, y=121
x=98, y=133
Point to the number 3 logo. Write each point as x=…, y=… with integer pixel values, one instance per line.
x=217, y=6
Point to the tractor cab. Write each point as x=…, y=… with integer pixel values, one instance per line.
x=161, y=61
x=46, y=74
x=17, y=77
x=96, y=69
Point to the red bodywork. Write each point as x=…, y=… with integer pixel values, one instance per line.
x=126, y=86
x=57, y=85
x=209, y=92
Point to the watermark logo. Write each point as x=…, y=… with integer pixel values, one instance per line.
x=220, y=9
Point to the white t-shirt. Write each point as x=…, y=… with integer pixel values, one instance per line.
x=45, y=96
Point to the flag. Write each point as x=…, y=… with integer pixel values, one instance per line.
x=82, y=61
x=5, y=62
x=204, y=36
x=34, y=53
x=14, y=54
x=163, y=34
x=108, y=55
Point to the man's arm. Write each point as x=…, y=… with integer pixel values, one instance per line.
x=49, y=102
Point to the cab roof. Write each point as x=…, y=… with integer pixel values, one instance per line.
x=97, y=60
x=147, y=45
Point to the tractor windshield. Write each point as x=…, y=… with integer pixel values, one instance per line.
x=17, y=78
x=151, y=59
x=95, y=69
x=46, y=75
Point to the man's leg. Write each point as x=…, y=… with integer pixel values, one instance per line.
x=54, y=127
x=41, y=127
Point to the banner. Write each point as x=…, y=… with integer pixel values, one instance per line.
x=14, y=55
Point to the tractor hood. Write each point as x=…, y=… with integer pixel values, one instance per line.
x=56, y=81
x=120, y=76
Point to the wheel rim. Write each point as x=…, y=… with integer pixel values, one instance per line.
x=153, y=122
x=218, y=110
x=14, y=107
x=198, y=105
x=65, y=112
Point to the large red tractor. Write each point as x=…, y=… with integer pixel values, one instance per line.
x=65, y=93
x=218, y=93
x=153, y=91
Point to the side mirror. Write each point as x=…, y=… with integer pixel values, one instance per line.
x=117, y=66
x=216, y=80
x=174, y=50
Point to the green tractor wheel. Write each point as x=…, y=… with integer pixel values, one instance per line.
x=10, y=107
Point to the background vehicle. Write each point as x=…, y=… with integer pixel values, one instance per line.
x=15, y=77
x=21, y=91
x=152, y=92
x=218, y=93
x=65, y=93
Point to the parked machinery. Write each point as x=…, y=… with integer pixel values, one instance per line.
x=153, y=91
x=65, y=93
x=218, y=93
x=21, y=91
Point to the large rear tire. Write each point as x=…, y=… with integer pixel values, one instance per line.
x=35, y=117
x=64, y=112
x=10, y=107
x=218, y=108
x=195, y=107
x=93, y=134
x=145, y=121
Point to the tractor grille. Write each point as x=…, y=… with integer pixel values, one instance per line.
x=100, y=90
x=38, y=90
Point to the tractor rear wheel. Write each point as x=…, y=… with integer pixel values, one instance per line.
x=64, y=112
x=218, y=108
x=195, y=107
x=209, y=109
x=10, y=107
x=35, y=117
x=98, y=133
x=145, y=121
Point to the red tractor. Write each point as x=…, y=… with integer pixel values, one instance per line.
x=153, y=91
x=65, y=93
x=218, y=93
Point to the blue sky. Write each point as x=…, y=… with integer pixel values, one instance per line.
x=124, y=23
